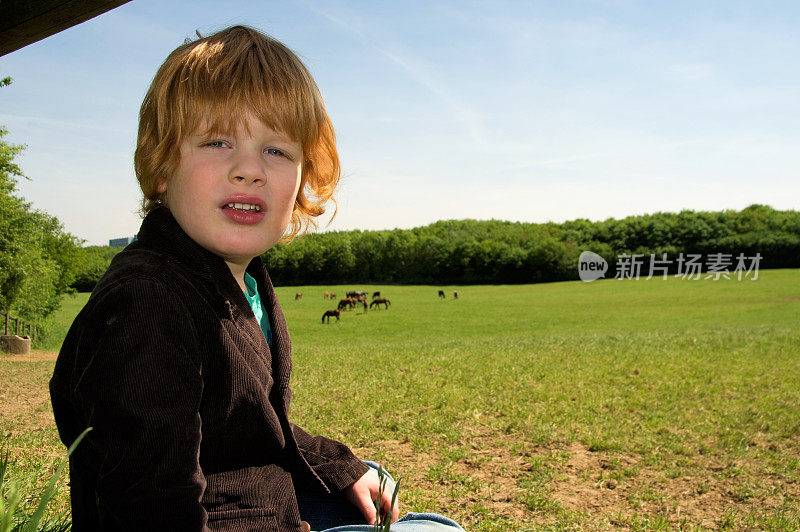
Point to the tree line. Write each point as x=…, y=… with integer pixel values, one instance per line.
x=500, y=252
x=474, y=252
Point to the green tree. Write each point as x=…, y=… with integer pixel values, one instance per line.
x=38, y=260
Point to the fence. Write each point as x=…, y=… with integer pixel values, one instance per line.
x=19, y=326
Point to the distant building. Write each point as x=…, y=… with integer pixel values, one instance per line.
x=121, y=242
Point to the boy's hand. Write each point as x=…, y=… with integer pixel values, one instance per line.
x=364, y=491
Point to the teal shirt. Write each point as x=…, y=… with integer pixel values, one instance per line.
x=255, y=304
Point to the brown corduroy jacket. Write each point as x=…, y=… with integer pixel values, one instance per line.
x=188, y=404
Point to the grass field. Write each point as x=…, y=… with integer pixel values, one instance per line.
x=645, y=405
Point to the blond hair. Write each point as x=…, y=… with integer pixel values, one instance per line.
x=219, y=80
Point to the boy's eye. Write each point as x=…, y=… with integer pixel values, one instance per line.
x=216, y=144
x=275, y=151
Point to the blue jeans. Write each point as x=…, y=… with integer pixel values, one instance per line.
x=334, y=513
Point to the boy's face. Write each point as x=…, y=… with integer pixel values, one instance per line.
x=234, y=194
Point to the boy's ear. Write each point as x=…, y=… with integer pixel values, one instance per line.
x=162, y=186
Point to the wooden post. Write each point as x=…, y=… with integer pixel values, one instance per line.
x=16, y=326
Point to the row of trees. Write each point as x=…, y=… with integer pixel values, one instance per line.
x=473, y=252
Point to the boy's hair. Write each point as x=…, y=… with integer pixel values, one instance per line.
x=219, y=79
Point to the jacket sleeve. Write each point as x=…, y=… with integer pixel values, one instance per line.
x=141, y=388
x=333, y=462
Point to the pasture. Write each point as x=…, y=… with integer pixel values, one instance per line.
x=637, y=404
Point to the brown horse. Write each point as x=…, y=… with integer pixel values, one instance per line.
x=329, y=313
x=345, y=304
x=380, y=301
x=355, y=293
x=376, y=294
x=455, y=295
x=441, y=293
x=298, y=295
x=326, y=295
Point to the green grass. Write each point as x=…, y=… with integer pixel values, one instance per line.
x=58, y=324
x=671, y=404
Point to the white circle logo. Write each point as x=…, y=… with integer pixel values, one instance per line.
x=591, y=266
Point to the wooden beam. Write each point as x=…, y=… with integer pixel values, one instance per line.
x=23, y=22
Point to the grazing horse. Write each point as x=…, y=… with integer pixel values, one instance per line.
x=380, y=301
x=345, y=303
x=441, y=294
x=366, y=306
x=376, y=294
x=356, y=293
x=329, y=313
x=326, y=295
x=298, y=295
x=333, y=295
x=455, y=295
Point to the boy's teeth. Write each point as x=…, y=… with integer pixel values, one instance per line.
x=244, y=207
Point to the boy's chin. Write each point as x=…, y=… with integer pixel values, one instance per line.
x=242, y=254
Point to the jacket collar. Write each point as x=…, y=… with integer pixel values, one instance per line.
x=161, y=233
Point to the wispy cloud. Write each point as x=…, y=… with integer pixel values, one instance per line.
x=552, y=162
x=62, y=124
x=470, y=119
x=689, y=73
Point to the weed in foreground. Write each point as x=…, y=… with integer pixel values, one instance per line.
x=14, y=516
x=384, y=520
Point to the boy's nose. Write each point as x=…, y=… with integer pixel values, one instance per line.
x=249, y=169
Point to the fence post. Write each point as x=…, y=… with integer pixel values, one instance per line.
x=18, y=324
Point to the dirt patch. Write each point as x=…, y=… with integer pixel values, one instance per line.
x=530, y=485
x=618, y=487
x=495, y=468
x=33, y=356
x=585, y=483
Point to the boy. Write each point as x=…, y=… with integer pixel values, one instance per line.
x=180, y=360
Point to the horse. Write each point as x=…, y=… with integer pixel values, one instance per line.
x=298, y=295
x=333, y=295
x=380, y=301
x=345, y=303
x=441, y=294
x=326, y=295
x=455, y=295
x=376, y=294
x=329, y=313
x=355, y=293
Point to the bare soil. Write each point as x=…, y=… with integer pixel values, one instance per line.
x=33, y=356
x=596, y=487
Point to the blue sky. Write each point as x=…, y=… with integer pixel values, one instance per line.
x=529, y=111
